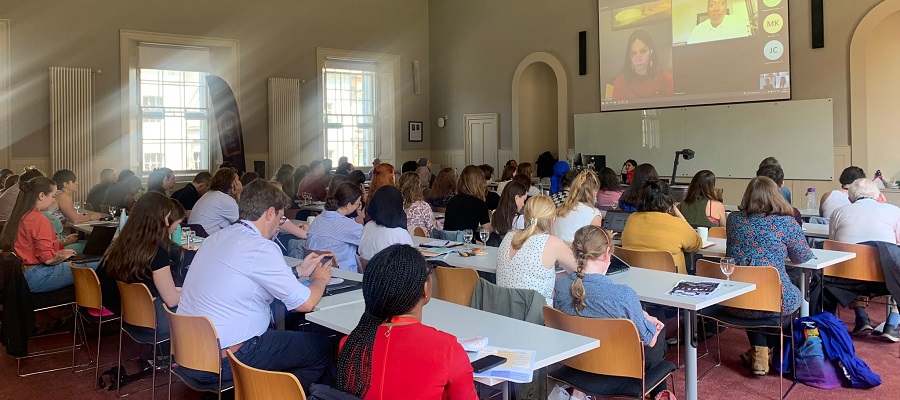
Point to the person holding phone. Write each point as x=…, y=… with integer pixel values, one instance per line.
x=234, y=278
x=391, y=354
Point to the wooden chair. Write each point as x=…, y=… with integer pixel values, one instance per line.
x=89, y=306
x=865, y=267
x=195, y=345
x=420, y=232
x=252, y=383
x=138, y=315
x=439, y=209
x=620, y=355
x=649, y=259
x=717, y=232
x=767, y=298
x=456, y=284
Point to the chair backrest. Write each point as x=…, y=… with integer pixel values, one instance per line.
x=137, y=305
x=718, y=232
x=420, y=232
x=865, y=267
x=766, y=297
x=87, y=287
x=456, y=284
x=251, y=383
x=439, y=209
x=195, y=343
x=621, y=352
x=88, y=207
x=649, y=259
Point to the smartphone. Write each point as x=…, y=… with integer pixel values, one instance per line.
x=326, y=260
x=483, y=364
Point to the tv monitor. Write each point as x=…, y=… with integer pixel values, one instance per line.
x=593, y=161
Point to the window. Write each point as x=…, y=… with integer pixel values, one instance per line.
x=349, y=112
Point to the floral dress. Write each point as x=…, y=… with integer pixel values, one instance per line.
x=419, y=214
x=760, y=239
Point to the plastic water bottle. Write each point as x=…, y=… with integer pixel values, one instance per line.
x=811, y=203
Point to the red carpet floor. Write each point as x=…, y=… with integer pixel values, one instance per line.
x=729, y=381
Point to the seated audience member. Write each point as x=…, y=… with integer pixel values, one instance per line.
x=527, y=259
x=29, y=234
x=409, y=166
x=610, y=189
x=776, y=174
x=468, y=210
x=121, y=194
x=235, y=276
x=12, y=180
x=384, y=176
x=763, y=233
x=67, y=184
x=286, y=179
x=588, y=292
x=772, y=161
x=5, y=173
x=628, y=171
x=10, y=195
x=838, y=198
x=511, y=163
x=863, y=220
x=248, y=177
x=375, y=163
x=299, y=174
x=523, y=180
x=702, y=205
x=140, y=254
x=423, y=169
x=343, y=168
x=161, y=180
x=491, y=198
x=333, y=231
x=443, y=189
x=559, y=198
x=578, y=210
x=69, y=241
x=657, y=225
x=508, y=215
x=632, y=196
x=192, y=192
x=388, y=224
x=315, y=182
x=418, y=212
x=95, y=195
x=218, y=208
x=509, y=172
x=527, y=169
x=559, y=169
x=391, y=354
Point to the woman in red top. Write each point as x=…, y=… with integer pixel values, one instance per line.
x=390, y=354
x=29, y=234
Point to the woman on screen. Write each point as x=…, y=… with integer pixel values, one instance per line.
x=641, y=76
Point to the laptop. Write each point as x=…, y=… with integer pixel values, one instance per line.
x=615, y=221
x=617, y=265
x=97, y=243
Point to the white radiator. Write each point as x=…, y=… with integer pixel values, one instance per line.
x=284, y=123
x=72, y=124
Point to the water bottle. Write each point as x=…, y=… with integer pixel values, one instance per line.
x=811, y=203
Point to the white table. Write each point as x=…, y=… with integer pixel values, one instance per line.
x=819, y=231
x=551, y=345
x=340, y=299
x=88, y=227
x=809, y=212
x=317, y=206
x=485, y=263
x=823, y=259
x=652, y=287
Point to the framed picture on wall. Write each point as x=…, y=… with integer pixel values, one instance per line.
x=415, y=131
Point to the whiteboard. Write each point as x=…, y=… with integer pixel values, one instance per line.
x=729, y=140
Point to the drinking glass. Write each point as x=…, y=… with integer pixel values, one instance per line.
x=726, y=264
x=484, y=235
x=112, y=211
x=77, y=205
x=468, y=235
x=615, y=205
x=188, y=237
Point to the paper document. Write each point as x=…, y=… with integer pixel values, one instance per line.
x=473, y=344
x=701, y=290
x=519, y=365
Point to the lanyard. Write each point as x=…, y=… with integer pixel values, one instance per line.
x=273, y=238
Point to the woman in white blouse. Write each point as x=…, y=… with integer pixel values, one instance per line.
x=578, y=210
x=388, y=224
x=527, y=258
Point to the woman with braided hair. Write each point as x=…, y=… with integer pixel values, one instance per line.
x=587, y=292
x=527, y=258
x=390, y=354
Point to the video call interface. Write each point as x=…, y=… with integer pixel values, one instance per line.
x=670, y=53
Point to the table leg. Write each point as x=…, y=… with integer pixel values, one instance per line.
x=804, y=288
x=504, y=390
x=690, y=355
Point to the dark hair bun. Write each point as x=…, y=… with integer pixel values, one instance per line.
x=25, y=186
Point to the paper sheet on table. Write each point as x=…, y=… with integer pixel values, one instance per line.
x=519, y=365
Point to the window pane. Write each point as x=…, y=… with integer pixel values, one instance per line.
x=349, y=115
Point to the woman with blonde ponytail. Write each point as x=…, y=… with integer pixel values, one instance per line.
x=578, y=210
x=587, y=292
x=527, y=258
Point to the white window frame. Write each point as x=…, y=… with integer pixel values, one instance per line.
x=5, y=124
x=224, y=62
x=387, y=125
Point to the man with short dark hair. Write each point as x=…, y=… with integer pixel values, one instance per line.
x=776, y=174
x=190, y=193
x=161, y=180
x=235, y=277
x=218, y=208
x=107, y=177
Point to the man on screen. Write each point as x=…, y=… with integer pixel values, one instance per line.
x=720, y=25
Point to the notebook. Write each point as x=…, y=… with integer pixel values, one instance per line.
x=97, y=243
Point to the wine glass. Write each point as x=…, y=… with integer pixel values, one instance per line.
x=112, y=211
x=468, y=235
x=726, y=264
x=189, y=237
x=484, y=234
x=615, y=205
x=77, y=205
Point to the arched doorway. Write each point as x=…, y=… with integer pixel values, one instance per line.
x=874, y=53
x=540, y=108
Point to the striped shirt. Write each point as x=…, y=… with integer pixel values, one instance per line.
x=334, y=232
